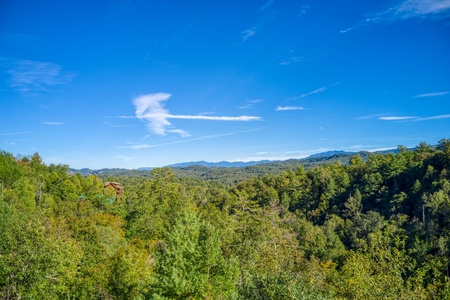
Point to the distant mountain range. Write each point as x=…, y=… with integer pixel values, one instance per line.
x=241, y=164
x=227, y=164
x=221, y=164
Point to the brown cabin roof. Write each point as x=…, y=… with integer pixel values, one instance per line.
x=116, y=186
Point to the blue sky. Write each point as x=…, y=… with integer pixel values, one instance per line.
x=148, y=83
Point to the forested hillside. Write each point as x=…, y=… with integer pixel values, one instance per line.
x=377, y=228
x=230, y=175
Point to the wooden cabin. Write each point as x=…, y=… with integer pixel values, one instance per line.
x=117, y=187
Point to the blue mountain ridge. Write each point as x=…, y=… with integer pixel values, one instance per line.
x=227, y=164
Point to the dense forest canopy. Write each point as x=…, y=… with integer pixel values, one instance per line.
x=375, y=228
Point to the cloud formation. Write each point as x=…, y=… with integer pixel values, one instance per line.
x=407, y=9
x=368, y=117
x=419, y=9
x=438, y=117
x=16, y=133
x=250, y=103
x=266, y=5
x=137, y=146
x=319, y=90
x=150, y=109
x=414, y=118
x=290, y=60
x=397, y=118
x=284, y=108
x=52, y=123
x=28, y=75
x=117, y=126
x=248, y=33
x=431, y=95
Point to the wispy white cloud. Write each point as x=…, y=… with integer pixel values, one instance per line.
x=52, y=123
x=319, y=90
x=250, y=104
x=374, y=116
x=304, y=9
x=407, y=9
x=397, y=118
x=136, y=146
x=262, y=20
x=266, y=5
x=248, y=33
x=150, y=109
x=419, y=9
x=181, y=132
x=438, y=117
x=16, y=133
x=214, y=118
x=28, y=75
x=346, y=30
x=282, y=108
x=291, y=60
x=414, y=118
x=431, y=95
x=117, y=126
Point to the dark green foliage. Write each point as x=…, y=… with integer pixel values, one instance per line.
x=191, y=264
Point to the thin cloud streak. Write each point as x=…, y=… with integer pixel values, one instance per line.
x=150, y=109
x=439, y=117
x=284, y=108
x=291, y=60
x=319, y=90
x=214, y=118
x=117, y=126
x=368, y=117
x=52, y=123
x=16, y=133
x=415, y=119
x=395, y=118
x=250, y=104
x=266, y=5
x=137, y=146
x=437, y=94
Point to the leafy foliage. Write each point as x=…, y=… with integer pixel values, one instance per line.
x=374, y=227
